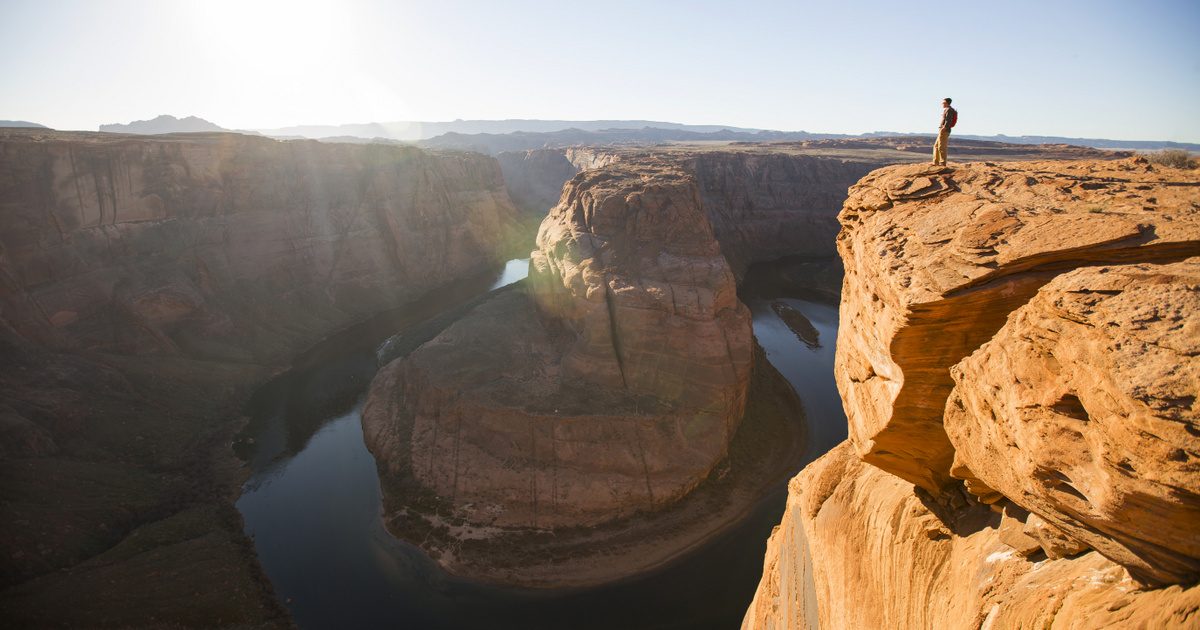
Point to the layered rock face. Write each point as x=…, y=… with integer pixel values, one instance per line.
x=856, y=548
x=937, y=259
x=147, y=286
x=1028, y=331
x=770, y=205
x=614, y=384
x=535, y=178
x=1083, y=410
x=229, y=246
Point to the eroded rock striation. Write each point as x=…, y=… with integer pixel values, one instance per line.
x=1017, y=360
x=856, y=548
x=766, y=206
x=535, y=178
x=1083, y=410
x=147, y=286
x=936, y=259
x=229, y=246
x=613, y=384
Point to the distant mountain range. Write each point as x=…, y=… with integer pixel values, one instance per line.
x=521, y=140
x=1096, y=143
x=21, y=123
x=163, y=124
x=494, y=136
x=414, y=130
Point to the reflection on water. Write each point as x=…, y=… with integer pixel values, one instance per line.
x=514, y=270
x=808, y=369
x=313, y=507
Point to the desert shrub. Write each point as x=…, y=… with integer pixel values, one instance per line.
x=1175, y=158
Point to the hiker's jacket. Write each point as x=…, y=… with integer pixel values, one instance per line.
x=946, y=116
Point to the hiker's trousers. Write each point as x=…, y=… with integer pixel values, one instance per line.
x=939, y=147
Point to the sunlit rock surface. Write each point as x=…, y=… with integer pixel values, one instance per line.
x=612, y=384
x=614, y=381
x=1016, y=358
x=936, y=259
x=857, y=549
x=1082, y=409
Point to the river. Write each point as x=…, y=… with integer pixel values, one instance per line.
x=312, y=505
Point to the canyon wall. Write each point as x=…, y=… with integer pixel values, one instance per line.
x=1017, y=361
x=147, y=286
x=229, y=246
x=611, y=384
x=535, y=179
x=623, y=368
x=765, y=206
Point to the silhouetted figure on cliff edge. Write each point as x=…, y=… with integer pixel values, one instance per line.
x=949, y=119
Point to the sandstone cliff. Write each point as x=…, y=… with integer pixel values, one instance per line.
x=230, y=246
x=937, y=259
x=1028, y=331
x=770, y=205
x=147, y=285
x=535, y=178
x=612, y=384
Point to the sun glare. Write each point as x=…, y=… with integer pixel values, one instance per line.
x=296, y=61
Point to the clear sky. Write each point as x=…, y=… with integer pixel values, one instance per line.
x=1098, y=68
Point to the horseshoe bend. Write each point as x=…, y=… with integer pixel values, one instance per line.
x=193, y=320
x=585, y=413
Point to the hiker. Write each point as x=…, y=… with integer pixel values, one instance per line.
x=949, y=119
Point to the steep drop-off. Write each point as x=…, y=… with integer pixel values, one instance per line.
x=623, y=368
x=1017, y=362
x=535, y=179
x=147, y=284
x=614, y=382
x=228, y=246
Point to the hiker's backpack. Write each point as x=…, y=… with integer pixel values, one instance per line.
x=953, y=117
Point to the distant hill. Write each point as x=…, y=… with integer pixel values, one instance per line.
x=21, y=123
x=163, y=124
x=1095, y=143
x=521, y=140
x=412, y=130
x=495, y=136
x=1098, y=143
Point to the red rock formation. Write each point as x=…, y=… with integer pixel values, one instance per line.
x=535, y=178
x=627, y=381
x=857, y=549
x=765, y=206
x=1082, y=410
x=937, y=258
x=147, y=285
x=969, y=349
x=614, y=386
x=230, y=246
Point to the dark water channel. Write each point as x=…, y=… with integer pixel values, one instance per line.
x=313, y=502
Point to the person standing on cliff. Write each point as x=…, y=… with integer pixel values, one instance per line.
x=949, y=119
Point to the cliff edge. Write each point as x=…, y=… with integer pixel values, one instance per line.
x=1017, y=358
